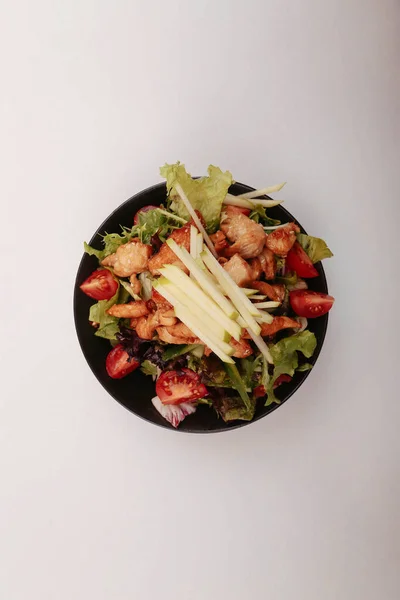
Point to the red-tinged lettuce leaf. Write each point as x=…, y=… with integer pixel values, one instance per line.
x=174, y=413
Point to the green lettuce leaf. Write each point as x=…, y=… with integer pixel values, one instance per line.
x=248, y=367
x=205, y=194
x=99, y=254
x=285, y=357
x=111, y=242
x=149, y=368
x=304, y=367
x=108, y=325
x=175, y=350
x=231, y=408
x=238, y=384
x=288, y=279
x=151, y=223
x=315, y=247
x=259, y=215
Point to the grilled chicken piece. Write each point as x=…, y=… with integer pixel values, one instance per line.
x=170, y=336
x=242, y=348
x=277, y=324
x=248, y=236
x=160, y=302
x=268, y=263
x=281, y=240
x=167, y=318
x=130, y=310
x=275, y=291
x=219, y=240
x=256, y=268
x=165, y=256
x=146, y=326
x=240, y=271
x=268, y=329
x=129, y=259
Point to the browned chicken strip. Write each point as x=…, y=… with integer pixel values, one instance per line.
x=248, y=237
x=129, y=259
x=169, y=336
x=281, y=240
x=242, y=348
x=277, y=324
x=129, y=310
x=146, y=326
x=275, y=291
x=166, y=256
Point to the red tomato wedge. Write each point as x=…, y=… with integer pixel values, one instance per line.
x=284, y=378
x=299, y=261
x=309, y=304
x=118, y=364
x=259, y=391
x=174, y=387
x=143, y=210
x=100, y=285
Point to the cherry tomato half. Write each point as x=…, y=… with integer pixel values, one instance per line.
x=299, y=261
x=259, y=391
x=100, y=285
x=284, y=378
x=118, y=364
x=174, y=387
x=143, y=210
x=309, y=304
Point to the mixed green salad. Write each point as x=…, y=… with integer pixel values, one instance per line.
x=207, y=295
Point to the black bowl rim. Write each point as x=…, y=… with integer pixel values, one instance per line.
x=226, y=426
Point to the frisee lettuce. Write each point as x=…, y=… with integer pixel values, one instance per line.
x=206, y=194
x=286, y=360
x=154, y=222
x=111, y=242
x=314, y=247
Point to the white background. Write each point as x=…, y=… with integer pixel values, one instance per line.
x=95, y=96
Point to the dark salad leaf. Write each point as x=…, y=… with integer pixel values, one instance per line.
x=259, y=215
x=132, y=343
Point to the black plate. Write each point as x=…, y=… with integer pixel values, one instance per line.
x=136, y=390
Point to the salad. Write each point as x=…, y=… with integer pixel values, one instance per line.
x=207, y=295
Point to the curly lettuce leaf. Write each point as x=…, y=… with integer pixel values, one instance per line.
x=151, y=223
x=111, y=242
x=315, y=247
x=286, y=360
x=206, y=194
x=99, y=254
x=108, y=325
